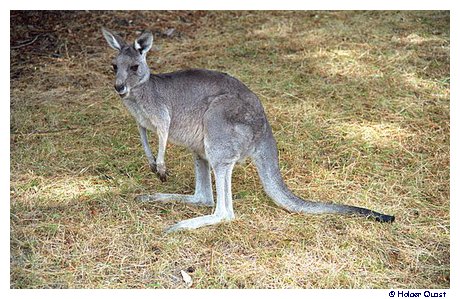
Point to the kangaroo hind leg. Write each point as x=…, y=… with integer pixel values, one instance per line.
x=225, y=140
x=224, y=205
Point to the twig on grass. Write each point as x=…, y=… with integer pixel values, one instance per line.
x=27, y=43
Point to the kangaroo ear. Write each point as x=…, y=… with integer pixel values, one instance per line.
x=114, y=40
x=144, y=42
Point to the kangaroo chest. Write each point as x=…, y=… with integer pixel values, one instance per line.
x=138, y=113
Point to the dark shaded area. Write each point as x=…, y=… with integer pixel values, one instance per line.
x=42, y=35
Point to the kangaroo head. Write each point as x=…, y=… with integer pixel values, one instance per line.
x=130, y=65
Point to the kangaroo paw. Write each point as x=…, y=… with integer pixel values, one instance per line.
x=161, y=172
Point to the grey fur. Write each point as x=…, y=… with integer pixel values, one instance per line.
x=219, y=119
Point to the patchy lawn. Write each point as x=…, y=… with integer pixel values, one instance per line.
x=359, y=103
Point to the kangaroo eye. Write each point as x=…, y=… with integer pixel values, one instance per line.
x=134, y=67
x=115, y=67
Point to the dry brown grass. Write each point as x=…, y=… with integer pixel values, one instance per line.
x=359, y=102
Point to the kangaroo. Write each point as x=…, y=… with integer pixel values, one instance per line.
x=219, y=119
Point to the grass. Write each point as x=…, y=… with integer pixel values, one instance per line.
x=359, y=103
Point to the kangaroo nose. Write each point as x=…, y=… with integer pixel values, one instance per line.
x=120, y=88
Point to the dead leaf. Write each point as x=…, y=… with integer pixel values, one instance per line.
x=187, y=279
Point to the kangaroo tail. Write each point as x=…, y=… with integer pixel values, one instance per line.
x=266, y=161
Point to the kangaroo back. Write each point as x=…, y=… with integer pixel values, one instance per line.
x=266, y=161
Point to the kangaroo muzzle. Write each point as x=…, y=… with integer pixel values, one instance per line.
x=121, y=89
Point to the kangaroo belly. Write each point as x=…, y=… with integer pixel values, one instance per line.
x=189, y=135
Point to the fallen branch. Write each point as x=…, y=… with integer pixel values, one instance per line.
x=26, y=43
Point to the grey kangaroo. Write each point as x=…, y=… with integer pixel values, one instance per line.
x=219, y=119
